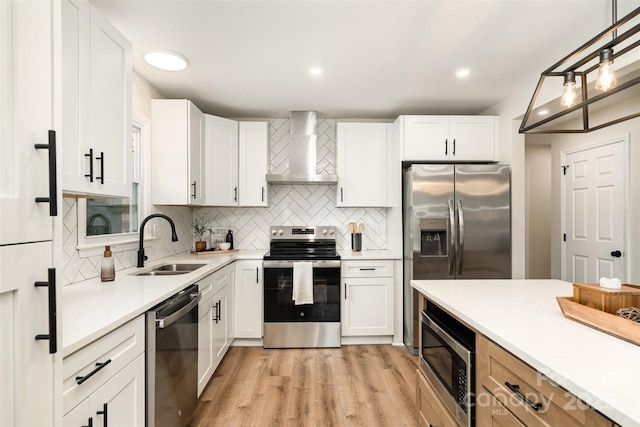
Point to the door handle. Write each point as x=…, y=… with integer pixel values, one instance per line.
x=193, y=195
x=454, y=147
x=616, y=254
x=90, y=156
x=460, y=246
x=98, y=367
x=451, y=241
x=235, y=194
x=52, y=336
x=263, y=194
x=446, y=146
x=101, y=177
x=53, y=183
x=105, y=423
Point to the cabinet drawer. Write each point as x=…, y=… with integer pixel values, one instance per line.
x=368, y=268
x=114, y=350
x=205, y=287
x=512, y=381
x=220, y=279
x=431, y=411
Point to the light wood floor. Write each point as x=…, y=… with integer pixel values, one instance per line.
x=368, y=385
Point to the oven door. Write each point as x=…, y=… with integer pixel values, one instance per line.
x=447, y=364
x=278, y=293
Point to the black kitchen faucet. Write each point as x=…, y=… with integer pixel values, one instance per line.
x=174, y=236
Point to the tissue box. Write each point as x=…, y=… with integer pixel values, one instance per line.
x=603, y=299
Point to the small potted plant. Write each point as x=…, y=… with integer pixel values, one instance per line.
x=200, y=228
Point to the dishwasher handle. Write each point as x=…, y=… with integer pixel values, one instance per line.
x=163, y=322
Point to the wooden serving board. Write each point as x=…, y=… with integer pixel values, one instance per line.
x=608, y=323
x=212, y=252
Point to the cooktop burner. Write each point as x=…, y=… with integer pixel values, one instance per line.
x=302, y=243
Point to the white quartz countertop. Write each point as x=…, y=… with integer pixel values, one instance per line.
x=91, y=309
x=524, y=317
x=349, y=255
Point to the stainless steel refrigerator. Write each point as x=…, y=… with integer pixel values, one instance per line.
x=457, y=225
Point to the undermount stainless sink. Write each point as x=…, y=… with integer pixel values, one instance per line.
x=169, y=269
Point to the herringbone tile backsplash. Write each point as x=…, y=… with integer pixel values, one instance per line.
x=298, y=204
x=288, y=205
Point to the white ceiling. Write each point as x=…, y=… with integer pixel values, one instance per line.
x=251, y=59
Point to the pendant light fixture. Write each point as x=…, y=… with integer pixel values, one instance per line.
x=592, y=94
x=606, y=74
x=569, y=95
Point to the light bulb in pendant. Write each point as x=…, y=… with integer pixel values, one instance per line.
x=569, y=94
x=606, y=74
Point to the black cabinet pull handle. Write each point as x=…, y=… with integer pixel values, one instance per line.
x=104, y=414
x=515, y=388
x=454, y=147
x=219, y=310
x=345, y=291
x=342, y=194
x=193, y=195
x=99, y=366
x=52, y=336
x=368, y=269
x=53, y=180
x=90, y=156
x=235, y=194
x=446, y=147
x=263, y=194
x=89, y=422
x=257, y=275
x=616, y=254
x=101, y=177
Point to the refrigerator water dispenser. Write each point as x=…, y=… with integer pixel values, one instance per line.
x=433, y=237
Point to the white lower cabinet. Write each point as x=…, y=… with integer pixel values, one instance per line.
x=248, y=299
x=367, y=307
x=104, y=382
x=215, y=320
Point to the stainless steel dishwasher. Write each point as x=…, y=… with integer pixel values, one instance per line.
x=172, y=359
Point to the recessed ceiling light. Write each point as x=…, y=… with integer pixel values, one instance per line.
x=165, y=60
x=463, y=72
x=315, y=71
x=543, y=112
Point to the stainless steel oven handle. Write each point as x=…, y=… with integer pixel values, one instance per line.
x=289, y=264
x=460, y=350
x=166, y=321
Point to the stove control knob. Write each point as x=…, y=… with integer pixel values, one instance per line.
x=324, y=232
x=331, y=232
x=274, y=232
x=280, y=232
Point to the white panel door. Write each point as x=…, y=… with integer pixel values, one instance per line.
x=594, y=214
x=221, y=164
x=426, y=138
x=248, y=299
x=367, y=308
x=252, y=163
x=111, y=68
x=26, y=94
x=26, y=367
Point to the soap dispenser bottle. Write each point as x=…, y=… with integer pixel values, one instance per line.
x=108, y=269
x=229, y=239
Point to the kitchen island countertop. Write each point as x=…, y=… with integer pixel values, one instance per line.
x=91, y=309
x=523, y=317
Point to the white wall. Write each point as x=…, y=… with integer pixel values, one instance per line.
x=538, y=211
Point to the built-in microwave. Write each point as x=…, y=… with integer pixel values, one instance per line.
x=447, y=357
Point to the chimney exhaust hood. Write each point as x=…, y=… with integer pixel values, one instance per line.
x=302, y=153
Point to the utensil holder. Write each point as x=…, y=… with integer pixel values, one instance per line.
x=356, y=242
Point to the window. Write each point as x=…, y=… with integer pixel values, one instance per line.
x=108, y=220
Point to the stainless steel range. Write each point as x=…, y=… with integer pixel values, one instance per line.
x=302, y=288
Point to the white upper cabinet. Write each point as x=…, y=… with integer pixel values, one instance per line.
x=449, y=138
x=362, y=164
x=177, y=153
x=96, y=81
x=221, y=164
x=252, y=159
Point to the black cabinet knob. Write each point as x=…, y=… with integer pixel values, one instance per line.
x=616, y=254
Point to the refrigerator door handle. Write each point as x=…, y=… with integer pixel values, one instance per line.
x=451, y=241
x=460, y=245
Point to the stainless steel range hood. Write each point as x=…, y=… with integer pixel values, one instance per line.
x=302, y=153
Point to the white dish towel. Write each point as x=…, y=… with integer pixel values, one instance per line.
x=302, y=282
